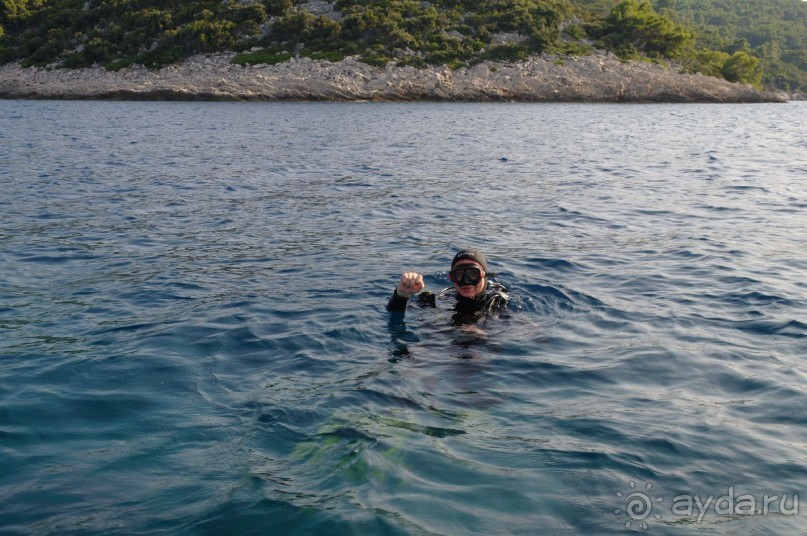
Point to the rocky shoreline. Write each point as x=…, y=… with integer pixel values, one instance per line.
x=600, y=77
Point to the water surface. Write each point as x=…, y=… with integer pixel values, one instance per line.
x=194, y=338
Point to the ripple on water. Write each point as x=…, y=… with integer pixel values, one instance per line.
x=195, y=340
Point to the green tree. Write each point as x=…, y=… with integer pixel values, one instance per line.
x=707, y=61
x=742, y=67
x=634, y=26
x=12, y=11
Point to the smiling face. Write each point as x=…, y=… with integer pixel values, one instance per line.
x=469, y=291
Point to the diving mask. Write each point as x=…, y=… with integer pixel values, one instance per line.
x=466, y=276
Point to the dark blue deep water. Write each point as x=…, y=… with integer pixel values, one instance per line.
x=193, y=339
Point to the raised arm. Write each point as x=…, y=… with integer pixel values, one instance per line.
x=411, y=283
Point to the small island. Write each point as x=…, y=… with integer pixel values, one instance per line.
x=394, y=50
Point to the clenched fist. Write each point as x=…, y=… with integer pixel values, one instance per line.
x=411, y=283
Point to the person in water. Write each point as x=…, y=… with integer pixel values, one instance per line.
x=475, y=295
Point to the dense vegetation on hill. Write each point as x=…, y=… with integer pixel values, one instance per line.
x=773, y=31
x=740, y=40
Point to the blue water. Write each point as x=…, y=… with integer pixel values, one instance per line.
x=194, y=340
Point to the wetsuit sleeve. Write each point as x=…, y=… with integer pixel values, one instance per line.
x=397, y=303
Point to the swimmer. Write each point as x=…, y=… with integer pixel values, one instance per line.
x=475, y=296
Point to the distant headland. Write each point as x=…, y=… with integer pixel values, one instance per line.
x=404, y=50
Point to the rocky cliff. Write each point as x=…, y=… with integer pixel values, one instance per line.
x=600, y=77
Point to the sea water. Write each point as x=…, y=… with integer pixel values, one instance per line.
x=195, y=341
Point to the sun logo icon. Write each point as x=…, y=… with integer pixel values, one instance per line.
x=638, y=506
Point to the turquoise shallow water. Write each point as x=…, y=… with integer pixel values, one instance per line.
x=194, y=338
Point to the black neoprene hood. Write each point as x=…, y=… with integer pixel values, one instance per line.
x=472, y=255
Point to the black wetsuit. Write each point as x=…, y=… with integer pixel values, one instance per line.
x=466, y=310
